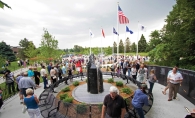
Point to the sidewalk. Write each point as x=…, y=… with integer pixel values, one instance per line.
x=161, y=107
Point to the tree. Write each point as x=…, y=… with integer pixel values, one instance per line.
x=121, y=47
x=24, y=44
x=142, y=44
x=6, y=52
x=78, y=49
x=31, y=50
x=2, y=4
x=115, y=47
x=133, y=47
x=49, y=46
x=127, y=45
x=155, y=39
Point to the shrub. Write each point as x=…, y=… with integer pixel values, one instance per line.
x=76, y=83
x=63, y=96
x=100, y=106
x=126, y=90
x=110, y=80
x=86, y=80
x=81, y=108
x=68, y=99
x=119, y=83
x=66, y=89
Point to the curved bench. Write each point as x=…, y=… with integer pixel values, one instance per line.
x=51, y=107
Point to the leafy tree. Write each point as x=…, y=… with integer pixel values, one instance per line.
x=142, y=44
x=78, y=49
x=133, y=47
x=31, y=50
x=121, y=47
x=2, y=61
x=2, y=4
x=115, y=47
x=127, y=45
x=155, y=39
x=49, y=46
x=6, y=52
x=24, y=44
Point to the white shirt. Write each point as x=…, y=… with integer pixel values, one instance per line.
x=43, y=72
x=176, y=76
x=133, y=71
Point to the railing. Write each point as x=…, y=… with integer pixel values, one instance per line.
x=86, y=110
x=186, y=89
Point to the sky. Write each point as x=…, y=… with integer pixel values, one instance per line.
x=69, y=21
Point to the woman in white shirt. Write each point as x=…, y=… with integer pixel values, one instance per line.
x=133, y=72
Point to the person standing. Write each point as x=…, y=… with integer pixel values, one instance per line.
x=30, y=73
x=140, y=99
x=175, y=79
x=152, y=80
x=31, y=101
x=43, y=73
x=17, y=81
x=37, y=76
x=52, y=75
x=113, y=105
x=9, y=81
x=25, y=83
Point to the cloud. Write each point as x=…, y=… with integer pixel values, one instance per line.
x=69, y=21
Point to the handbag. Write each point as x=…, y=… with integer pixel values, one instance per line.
x=24, y=109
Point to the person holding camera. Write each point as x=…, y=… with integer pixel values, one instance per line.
x=9, y=79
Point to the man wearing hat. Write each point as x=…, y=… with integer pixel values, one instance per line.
x=140, y=99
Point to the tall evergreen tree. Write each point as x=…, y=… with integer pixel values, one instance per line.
x=142, y=44
x=6, y=52
x=133, y=47
x=121, y=46
x=127, y=45
x=115, y=47
x=24, y=44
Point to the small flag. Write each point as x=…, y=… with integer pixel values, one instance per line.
x=103, y=33
x=143, y=28
x=114, y=31
x=127, y=30
x=91, y=34
x=122, y=18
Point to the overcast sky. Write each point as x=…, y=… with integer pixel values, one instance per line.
x=70, y=20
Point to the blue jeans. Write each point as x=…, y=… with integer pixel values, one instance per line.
x=140, y=112
x=151, y=86
x=45, y=82
x=129, y=72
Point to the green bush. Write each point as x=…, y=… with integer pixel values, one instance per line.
x=63, y=96
x=100, y=106
x=76, y=83
x=81, y=108
x=68, y=99
x=66, y=89
x=119, y=83
x=110, y=80
x=126, y=90
x=86, y=80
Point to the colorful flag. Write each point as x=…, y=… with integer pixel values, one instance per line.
x=103, y=33
x=122, y=18
x=114, y=31
x=128, y=30
x=143, y=28
x=91, y=34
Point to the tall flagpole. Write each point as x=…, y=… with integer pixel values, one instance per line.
x=101, y=50
x=125, y=44
x=137, y=39
x=118, y=33
x=113, y=45
x=89, y=43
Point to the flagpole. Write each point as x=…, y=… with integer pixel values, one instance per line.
x=89, y=43
x=101, y=51
x=113, y=46
x=125, y=44
x=118, y=33
x=137, y=39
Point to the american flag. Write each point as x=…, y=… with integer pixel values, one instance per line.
x=122, y=18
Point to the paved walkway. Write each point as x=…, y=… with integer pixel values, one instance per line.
x=161, y=107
